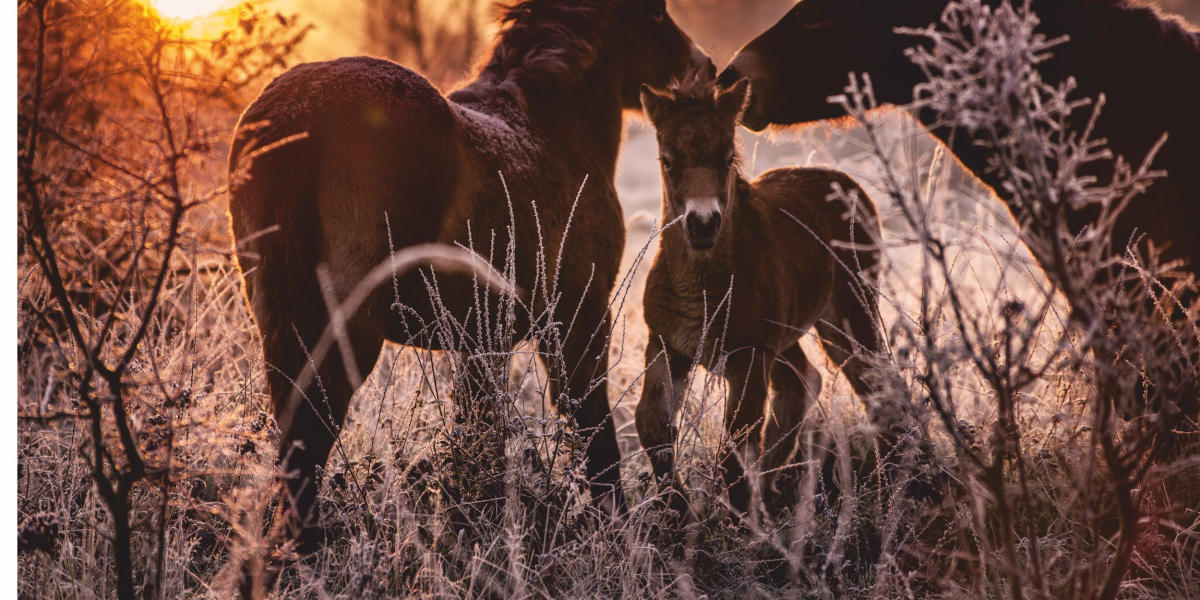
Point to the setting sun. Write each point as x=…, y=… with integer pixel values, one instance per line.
x=187, y=9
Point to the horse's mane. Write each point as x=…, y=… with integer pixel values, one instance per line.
x=546, y=40
x=1171, y=28
x=696, y=88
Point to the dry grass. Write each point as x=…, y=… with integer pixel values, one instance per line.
x=1008, y=486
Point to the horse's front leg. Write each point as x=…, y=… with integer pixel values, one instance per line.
x=584, y=368
x=664, y=385
x=747, y=372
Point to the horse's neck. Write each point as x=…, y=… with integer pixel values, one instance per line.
x=581, y=121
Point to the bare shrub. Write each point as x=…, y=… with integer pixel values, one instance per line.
x=1082, y=378
x=441, y=40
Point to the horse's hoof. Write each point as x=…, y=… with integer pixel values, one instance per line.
x=922, y=487
x=611, y=503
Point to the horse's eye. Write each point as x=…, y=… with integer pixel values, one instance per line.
x=666, y=162
x=659, y=12
x=729, y=161
x=809, y=17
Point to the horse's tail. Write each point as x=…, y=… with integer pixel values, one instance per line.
x=273, y=208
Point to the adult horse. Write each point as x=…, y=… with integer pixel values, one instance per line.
x=354, y=158
x=1147, y=66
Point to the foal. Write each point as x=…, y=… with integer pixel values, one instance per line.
x=788, y=254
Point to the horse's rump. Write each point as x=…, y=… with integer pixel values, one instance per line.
x=361, y=146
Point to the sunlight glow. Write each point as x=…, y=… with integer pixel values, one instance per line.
x=186, y=9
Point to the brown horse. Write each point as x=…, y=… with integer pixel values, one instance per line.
x=788, y=253
x=1146, y=65
x=361, y=156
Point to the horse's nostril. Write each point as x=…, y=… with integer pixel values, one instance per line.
x=703, y=225
x=729, y=76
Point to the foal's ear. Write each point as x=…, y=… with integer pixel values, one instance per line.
x=654, y=102
x=733, y=100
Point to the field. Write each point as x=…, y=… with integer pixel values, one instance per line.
x=1029, y=463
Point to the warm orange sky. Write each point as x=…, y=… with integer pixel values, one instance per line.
x=720, y=26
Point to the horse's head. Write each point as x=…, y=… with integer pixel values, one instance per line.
x=695, y=123
x=796, y=65
x=650, y=48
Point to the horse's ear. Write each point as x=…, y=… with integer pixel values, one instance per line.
x=654, y=102
x=733, y=100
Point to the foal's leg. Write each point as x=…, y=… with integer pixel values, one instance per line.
x=747, y=372
x=848, y=330
x=664, y=385
x=795, y=382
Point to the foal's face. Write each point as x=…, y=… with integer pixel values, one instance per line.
x=697, y=156
x=651, y=49
x=796, y=65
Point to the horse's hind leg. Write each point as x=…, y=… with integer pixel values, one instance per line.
x=309, y=421
x=849, y=333
x=848, y=330
x=747, y=372
x=795, y=382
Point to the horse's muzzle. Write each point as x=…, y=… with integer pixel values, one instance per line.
x=702, y=229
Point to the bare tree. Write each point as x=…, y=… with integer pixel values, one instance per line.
x=115, y=123
x=438, y=39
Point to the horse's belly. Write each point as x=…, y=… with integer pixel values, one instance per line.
x=424, y=307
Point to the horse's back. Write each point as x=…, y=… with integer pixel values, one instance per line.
x=832, y=219
x=349, y=109
x=1147, y=67
x=811, y=195
x=831, y=209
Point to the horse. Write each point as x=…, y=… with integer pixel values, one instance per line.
x=1146, y=64
x=346, y=161
x=760, y=262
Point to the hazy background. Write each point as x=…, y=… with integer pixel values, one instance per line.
x=444, y=39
